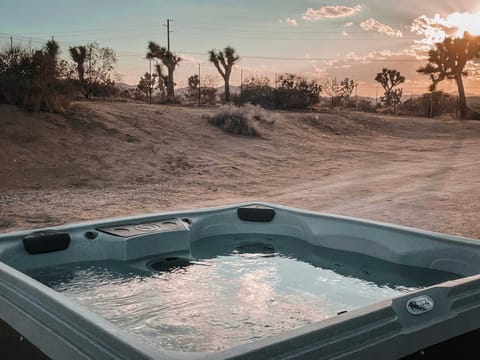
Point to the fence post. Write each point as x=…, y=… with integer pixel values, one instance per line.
x=241, y=85
x=356, y=97
x=199, y=87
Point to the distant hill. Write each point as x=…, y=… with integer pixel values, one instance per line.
x=123, y=86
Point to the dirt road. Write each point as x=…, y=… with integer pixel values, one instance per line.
x=107, y=160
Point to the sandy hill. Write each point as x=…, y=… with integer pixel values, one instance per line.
x=105, y=159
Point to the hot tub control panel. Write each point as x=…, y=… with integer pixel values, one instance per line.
x=129, y=230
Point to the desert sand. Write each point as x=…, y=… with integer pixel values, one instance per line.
x=115, y=159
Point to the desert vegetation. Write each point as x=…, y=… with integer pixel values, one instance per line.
x=170, y=61
x=448, y=60
x=234, y=121
x=93, y=70
x=38, y=80
x=42, y=80
x=390, y=79
x=35, y=81
x=224, y=61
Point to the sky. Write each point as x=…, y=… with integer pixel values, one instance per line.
x=319, y=40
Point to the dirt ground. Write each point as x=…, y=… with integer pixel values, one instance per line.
x=107, y=160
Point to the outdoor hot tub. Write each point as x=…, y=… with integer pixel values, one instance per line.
x=245, y=281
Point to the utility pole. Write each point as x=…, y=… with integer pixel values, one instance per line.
x=276, y=81
x=11, y=44
x=168, y=33
x=376, y=98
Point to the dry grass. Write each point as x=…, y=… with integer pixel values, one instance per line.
x=235, y=122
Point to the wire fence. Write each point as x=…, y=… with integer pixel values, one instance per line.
x=30, y=44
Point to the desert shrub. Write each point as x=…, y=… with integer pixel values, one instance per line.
x=208, y=93
x=234, y=122
x=94, y=70
x=105, y=89
x=430, y=104
x=54, y=98
x=256, y=90
x=33, y=80
x=15, y=71
x=294, y=92
x=257, y=95
x=259, y=114
x=366, y=106
x=473, y=115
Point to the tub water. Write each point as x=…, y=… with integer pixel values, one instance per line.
x=236, y=290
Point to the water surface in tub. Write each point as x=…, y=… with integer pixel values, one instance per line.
x=243, y=291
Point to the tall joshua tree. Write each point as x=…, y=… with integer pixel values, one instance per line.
x=224, y=61
x=79, y=57
x=389, y=79
x=51, y=51
x=448, y=61
x=169, y=60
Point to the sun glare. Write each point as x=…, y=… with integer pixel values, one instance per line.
x=465, y=22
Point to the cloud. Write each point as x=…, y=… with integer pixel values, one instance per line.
x=432, y=29
x=473, y=69
x=344, y=33
x=190, y=59
x=319, y=71
x=331, y=12
x=292, y=22
x=437, y=28
x=348, y=24
x=374, y=25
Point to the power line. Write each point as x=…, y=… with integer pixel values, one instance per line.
x=229, y=25
x=378, y=37
x=292, y=31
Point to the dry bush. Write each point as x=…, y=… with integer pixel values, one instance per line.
x=257, y=113
x=234, y=122
x=33, y=80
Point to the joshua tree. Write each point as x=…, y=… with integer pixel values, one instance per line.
x=146, y=85
x=224, y=61
x=49, y=57
x=95, y=68
x=52, y=49
x=162, y=80
x=346, y=88
x=390, y=78
x=170, y=61
x=448, y=61
x=79, y=56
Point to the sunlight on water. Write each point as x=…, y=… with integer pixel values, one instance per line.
x=215, y=303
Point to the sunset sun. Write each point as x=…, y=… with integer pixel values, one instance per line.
x=469, y=22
